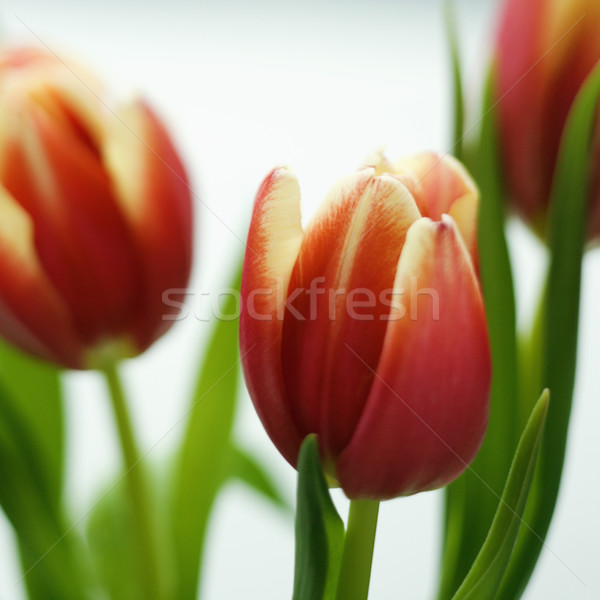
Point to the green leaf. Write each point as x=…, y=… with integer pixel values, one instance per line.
x=319, y=530
x=246, y=468
x=32, y=455
x=485, y=576
x=50, y=554
x=458, y=101
x=558, y=343
x=473, y=496
x=200, y=468
x=113, y=543
x=33, y=407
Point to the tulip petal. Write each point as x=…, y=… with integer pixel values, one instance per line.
x=545, y=51
x=519, y=76
x=378, y=161
x=442, y=183
x=464, y=213
x=23, y=57
x=81, y=239
x=154, y=195
x=67, y=92
x=427, y=410
x=32, y=314
x=346, y=264
x=273, y=242
x=522, y=67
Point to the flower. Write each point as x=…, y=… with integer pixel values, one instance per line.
x=545, y=50
x=95, y=215
x=368, y=327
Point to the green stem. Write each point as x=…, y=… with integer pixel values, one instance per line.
x=138, y=488
x=355, y=571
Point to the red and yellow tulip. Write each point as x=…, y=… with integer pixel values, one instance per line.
x=545, y=51
x=368, y=327
x=95, y=215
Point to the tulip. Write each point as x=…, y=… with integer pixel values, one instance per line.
x=545, y=51
x=95, y=215
x=367, y=327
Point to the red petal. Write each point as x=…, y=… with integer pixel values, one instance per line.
x=348, y=256
x=521, y=86
x=82, y=241
x=273, y=243
x=32, y=315
x=546, y=49
x=154, y=196
x=443, y=186
x=23, y=58
x=440, y=185
x=427, y=411
x=440, y=180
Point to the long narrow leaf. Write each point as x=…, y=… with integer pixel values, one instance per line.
x=31, y=415
x=569, y=200
x=485, y=576
x=244, y=467
x=458, y=121
x=319, y=530
x=471, y=500
x=112, y=540
x=202, y=460
x=33, y=408
x=53, y=569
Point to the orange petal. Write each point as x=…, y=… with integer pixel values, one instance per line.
x=464, y=212
x=273, y=243
x=67, y=91
x=545, y=51
x=154, y=197
x=346, y=262
x=440, y=185
x=82, y=241
x=441, y=182
x=427, y=410
x=32, y=314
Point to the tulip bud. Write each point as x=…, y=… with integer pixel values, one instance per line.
x=368, y=327
x=95, y=216
x=545, y=51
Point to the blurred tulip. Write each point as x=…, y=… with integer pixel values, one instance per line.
x=545, y=51
x=95, y=215
x=368, y=328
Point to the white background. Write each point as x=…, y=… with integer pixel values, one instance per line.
x=316, y=85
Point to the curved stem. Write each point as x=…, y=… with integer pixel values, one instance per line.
x=138, y=487
x=355, y=571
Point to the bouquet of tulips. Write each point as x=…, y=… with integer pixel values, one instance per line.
x=378, y=340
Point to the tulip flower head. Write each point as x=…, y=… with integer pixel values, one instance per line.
x=368, y=327
x=545, y=51
x=95, y=215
